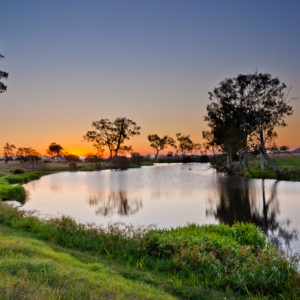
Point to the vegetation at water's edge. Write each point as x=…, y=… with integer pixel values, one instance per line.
x=288, y=166
x=17, y=192
x=33, y=269
x=235, y=260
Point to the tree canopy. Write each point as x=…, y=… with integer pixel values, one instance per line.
x=244, y=113
x=112, y=135
x=54, y=149
x=160, y=143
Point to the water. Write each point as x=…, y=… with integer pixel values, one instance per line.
x=170, y=195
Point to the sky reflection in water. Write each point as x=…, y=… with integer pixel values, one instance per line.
x=168, y=196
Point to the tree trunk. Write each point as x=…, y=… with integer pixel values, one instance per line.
x=241, y=162
x=156, y=155
x=246, y=159
x=262, y=161
x=230, y=165
x=119, y=140
x=267, y=157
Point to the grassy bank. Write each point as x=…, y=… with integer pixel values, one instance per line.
x=288, y=166
x=33, y=269
x=17, y=192
x=193, y=261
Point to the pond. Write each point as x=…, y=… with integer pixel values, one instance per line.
x=170, y=195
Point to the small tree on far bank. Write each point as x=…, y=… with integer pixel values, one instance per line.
x=54, y=149
x=184, y=144
x=28, y=154
x=160, y=143
x=8, y=151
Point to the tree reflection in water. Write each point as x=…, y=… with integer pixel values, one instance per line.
x=237, y=200
x=111, y=203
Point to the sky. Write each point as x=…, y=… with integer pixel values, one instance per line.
x=73, y=62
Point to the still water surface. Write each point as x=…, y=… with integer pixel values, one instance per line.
x=169, y=195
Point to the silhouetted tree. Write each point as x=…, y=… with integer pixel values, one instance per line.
x=8, y=151
x=284, y=148
x=112, y=134
x=268, y=105
x=160, y=143
x=3, y=75
x=28, y=154
x=54, y=149
x=244, y=109
x=184, y=143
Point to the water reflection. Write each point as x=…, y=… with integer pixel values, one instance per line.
x=169, y=196
x=239, y=200
x=109, y=203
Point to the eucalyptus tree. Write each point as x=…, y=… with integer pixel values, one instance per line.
x=8, y=151
x=229, y=119
x=267, y=100
x=3, y=75
x=184, y=143
x=160, y=143
x=247, y=109
x=54, y=149
x=112, y=135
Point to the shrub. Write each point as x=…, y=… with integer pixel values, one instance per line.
x=120, y=162
x=18, y=171
x=72, y=157
x=87, y=168
x=73, y=166
x=8, y=192
x=136, y=159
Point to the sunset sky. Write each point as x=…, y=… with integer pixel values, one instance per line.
x=73, y=62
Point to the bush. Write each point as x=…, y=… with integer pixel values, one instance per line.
x=87, y=168
x=8, y=192
x=120, y=162
x=73, y=166
x=136, y=159
x=72, y=157
x=18, y=171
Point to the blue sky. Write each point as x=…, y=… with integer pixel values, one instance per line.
x=72, y=62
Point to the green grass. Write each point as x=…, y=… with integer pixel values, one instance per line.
x=193, y=261
x=288, y=166
x=33, y=269
x=17, y=192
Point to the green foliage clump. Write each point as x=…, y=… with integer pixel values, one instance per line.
x=236, y=259
x=87, y=168
x=120, y=162
x=8, y=192
x=73, y=166
x=17, y=192
x=18, y=171
x=23, y=178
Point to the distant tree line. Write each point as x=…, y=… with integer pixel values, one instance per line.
x=242, y=116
